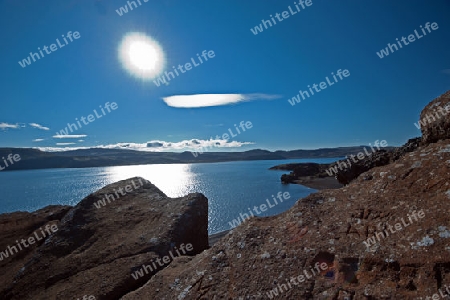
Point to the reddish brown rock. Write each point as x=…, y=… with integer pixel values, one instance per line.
x=404, y=204
x=330, y=227
x=18, y=225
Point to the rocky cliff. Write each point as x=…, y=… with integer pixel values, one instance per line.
x=385, y=235
x=312, y=175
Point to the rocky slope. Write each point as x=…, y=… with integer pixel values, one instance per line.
x=404, y=205
x=386, y=235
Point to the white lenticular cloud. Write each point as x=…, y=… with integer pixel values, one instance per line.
x=206, y=100
x=38, y=140
x=7, y=126
x=69, y=136
x=38, y=126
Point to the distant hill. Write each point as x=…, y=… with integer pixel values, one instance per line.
x=86, y=158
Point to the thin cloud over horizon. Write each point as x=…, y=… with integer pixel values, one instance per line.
x=5, y=126
x=69, y=136
x=207, y=100
x=65, y=144
x=158, y=146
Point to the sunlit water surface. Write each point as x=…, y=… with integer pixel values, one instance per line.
x=231, y=187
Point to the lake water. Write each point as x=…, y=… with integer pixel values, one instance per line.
x=231, y=187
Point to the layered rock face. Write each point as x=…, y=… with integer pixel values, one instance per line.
x=97, y=249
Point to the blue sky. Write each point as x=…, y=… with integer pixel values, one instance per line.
x=380, y=100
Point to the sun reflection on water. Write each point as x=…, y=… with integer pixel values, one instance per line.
x=175, y=180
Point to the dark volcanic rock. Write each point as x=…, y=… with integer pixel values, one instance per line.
x=411, y=145
x=95, y=250
x=376, y=159
x=348, y=170
x=302, y=170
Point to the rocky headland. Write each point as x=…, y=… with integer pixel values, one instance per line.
x=384, y=235
x=312, y=175
x=321, y=176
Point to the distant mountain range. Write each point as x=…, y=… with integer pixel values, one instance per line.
x=96, y=157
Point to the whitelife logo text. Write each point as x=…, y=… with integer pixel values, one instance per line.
x=27, y=61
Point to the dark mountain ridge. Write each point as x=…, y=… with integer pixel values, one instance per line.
x=96, y=157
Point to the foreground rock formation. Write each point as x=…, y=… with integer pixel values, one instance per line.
x=386, y=235
x=95, y=251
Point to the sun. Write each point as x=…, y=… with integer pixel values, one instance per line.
x=141, y=56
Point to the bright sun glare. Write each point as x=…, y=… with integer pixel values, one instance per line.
x=141, y=56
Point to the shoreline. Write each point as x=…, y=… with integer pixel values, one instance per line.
x=308, y=181
x=316, y=183
x=311, y=175
x=215, y=237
